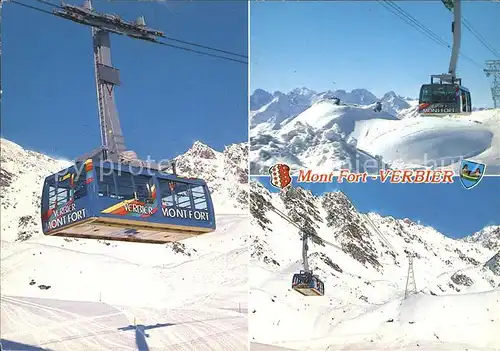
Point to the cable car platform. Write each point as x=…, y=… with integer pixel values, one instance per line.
x=305, y=290
x=123, y=230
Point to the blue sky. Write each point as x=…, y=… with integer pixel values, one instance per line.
x=168, y=99
x=449, y=208
x=361, y=44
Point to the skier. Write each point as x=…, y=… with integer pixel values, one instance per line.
x=378, y=107
x=336, y=101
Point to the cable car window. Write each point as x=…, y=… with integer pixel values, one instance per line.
x=182, y=195
x=52, y=196
x=438, y=93
x=63, y=192
x=167, y=189
x=143, y=188
x=80, y=186
x=199, y=199
x=124, y=185
x=106, y=182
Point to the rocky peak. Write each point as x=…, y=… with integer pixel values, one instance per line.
x=488, y=237
x=302, y=208
x=493, y=264
x=201, y=150
x=259, y=98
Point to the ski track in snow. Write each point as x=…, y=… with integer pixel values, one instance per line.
x=73, y=325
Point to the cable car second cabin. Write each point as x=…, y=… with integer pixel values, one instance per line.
x=121, y=202
x=444, y=100
x=308, y=284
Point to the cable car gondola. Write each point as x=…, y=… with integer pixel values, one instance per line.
x=120, y=202
x=444, y=99
x=305, y=282
x=308, y=284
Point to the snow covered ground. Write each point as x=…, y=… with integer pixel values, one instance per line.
x=80, y=294
x=457, y=305
x=434, y=142
x=306, y=130
x=75, y=325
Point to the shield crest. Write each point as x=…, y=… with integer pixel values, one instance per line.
x=280, y=175
x=471, y=173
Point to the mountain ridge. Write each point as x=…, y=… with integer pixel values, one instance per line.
x=302, y=98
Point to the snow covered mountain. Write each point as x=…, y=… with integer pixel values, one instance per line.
x=277, y=107
x=225, y=172
x=306, y=129
x=487, y=237
x=365, y=277
x=85, y=294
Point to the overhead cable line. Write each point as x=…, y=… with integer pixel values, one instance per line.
x=171, y=38
x=155, y=41
x=292, y=222
x=412, y=21
x=31, y=7
x=480, y=37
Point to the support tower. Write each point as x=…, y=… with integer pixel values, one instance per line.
x=107, y=77
x=493, y=69
x=411, y=286
x=455, y=7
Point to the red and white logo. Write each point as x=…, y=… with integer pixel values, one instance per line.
x=280, y=175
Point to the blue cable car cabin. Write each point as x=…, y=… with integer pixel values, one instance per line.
x=444, y=100
x=120, y=202
x=308, y=284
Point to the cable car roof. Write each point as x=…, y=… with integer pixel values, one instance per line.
x=462, y=88
x=140, y=171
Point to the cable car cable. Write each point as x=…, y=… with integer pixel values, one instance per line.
x=479, y=37
x=200, y=52
x=31, y=7
x=205, y=47
x=367, y=219
x=156, y=41
x=289, y=220
x=168, y=37
x=422, y=28
x=398, y=11
x=434, y=35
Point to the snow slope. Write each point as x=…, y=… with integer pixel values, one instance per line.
x=317, y=138
x=183, y=294
x=430, y=141
x=435, y=142
x=76, y=325
x=363, y=306
x=318, y=134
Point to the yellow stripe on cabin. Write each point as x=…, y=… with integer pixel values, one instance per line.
x=117, y=206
